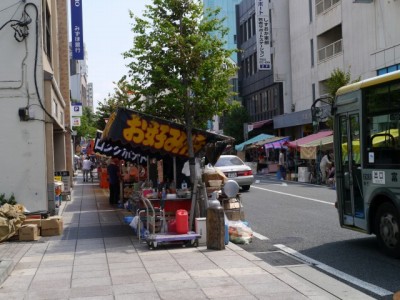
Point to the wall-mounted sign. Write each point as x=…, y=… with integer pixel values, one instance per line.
x=77, y=30
x=76, y=109
x=263, y=35
x=76, y=121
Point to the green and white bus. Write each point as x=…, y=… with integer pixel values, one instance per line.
x=367, y=158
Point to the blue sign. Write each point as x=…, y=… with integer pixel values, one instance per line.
x=77, y=30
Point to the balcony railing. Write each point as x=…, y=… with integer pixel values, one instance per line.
x=329, y=51
x=323, y=5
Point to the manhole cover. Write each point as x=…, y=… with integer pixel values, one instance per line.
x=278, y=258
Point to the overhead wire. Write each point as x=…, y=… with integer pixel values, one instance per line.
x=21, y=32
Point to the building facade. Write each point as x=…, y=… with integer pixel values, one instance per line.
x=79, y=79
x=228, y=13
x=309, y=40
x=34, y=90
x=264, y=92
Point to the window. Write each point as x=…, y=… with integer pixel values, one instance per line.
x=253, y=20
x=388, y=69
x=255, y=62
x=245, y=31
x=46, y=20
x=55, y=108
x=310, y=10
x=247, y=67
x=382, y=123
x=312, y=52
x=251, y=65
x=313, y=92
x=249, y=29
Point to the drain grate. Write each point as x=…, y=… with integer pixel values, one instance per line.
x=278, y=258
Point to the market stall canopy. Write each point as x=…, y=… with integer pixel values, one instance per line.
x=277, y=142
x=125, y=153
x=150, y=135
x=308, y=139
x=272, y=142
x=309, y=150
x=262, y=136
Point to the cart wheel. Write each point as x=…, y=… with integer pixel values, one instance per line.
x=196, y=243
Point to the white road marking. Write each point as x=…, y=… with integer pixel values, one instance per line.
x=292, y=195
x=260, y=236
x=362, y=284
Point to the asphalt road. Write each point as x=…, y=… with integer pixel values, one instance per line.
x=303, y=217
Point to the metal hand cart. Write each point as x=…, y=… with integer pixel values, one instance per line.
x=188, y=239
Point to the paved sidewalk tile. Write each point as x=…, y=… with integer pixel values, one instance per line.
x=99, y=257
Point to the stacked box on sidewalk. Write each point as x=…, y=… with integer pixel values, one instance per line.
x=52, y=226
x=28, y=232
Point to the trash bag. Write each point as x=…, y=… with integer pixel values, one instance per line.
x=239, y=232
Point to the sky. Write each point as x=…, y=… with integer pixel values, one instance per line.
x=107, y=34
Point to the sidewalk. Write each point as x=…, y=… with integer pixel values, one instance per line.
x=98, y=257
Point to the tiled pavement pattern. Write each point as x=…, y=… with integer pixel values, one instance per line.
x=98, y=257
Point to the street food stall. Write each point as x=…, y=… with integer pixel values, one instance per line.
x=139, y=135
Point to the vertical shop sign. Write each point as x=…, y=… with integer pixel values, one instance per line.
x=263, y=35
x=77, y=30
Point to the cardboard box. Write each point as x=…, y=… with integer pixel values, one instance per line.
x=29, y=232
x=37, y=222
x=52, y=226
x=232, y=205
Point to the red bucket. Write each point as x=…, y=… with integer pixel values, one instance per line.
x=182, y=221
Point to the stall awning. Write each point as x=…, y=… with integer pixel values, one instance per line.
x=259, y=124
x=150, y=135
x=262, y=136
x=309, y=138
x=113, y=150
x=274, y=139
x=276, y=143
x=309, y=150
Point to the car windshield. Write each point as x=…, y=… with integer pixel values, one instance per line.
x=228, y=161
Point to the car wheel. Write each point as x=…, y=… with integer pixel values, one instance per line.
x=387, y=229
x=245, y=187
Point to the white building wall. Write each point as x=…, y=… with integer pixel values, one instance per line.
x=370, y=41
x=280, y=28
x=301, y=32
x=22, y=143
x=371, y=36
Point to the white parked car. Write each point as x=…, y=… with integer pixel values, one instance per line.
x=234, y=168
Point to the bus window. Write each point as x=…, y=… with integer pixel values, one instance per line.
x=383, y=124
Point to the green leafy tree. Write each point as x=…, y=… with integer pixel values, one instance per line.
x=338, y=79
x=122, y=97
x=178, y=63
x=234, y=120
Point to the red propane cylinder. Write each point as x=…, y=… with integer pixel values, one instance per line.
x=182, y=221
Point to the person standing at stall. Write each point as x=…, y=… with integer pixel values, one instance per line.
x=324, y=166
x=113, y=180
x=281, y=163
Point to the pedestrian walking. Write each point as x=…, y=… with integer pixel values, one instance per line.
x=86, y=166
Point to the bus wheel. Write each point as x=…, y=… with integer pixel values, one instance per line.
x=387, y=229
